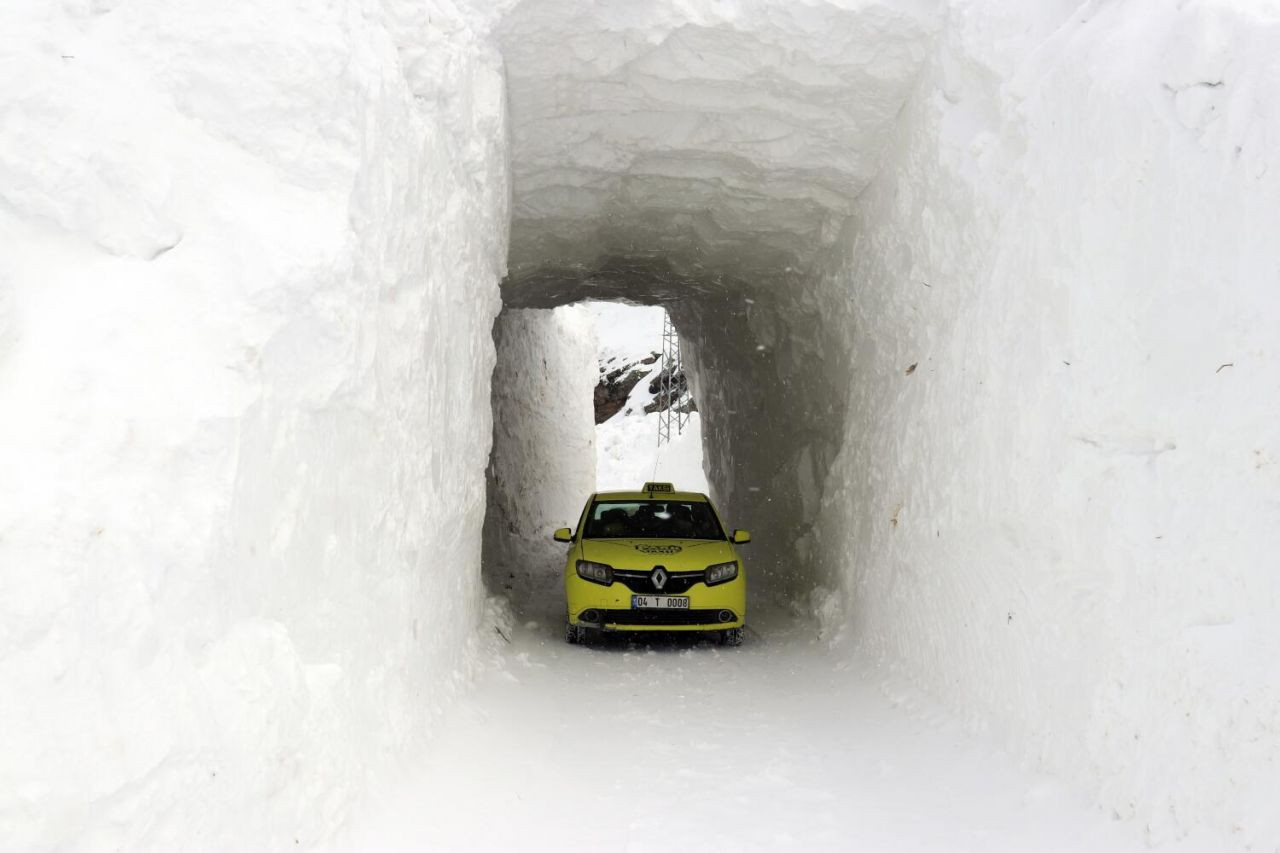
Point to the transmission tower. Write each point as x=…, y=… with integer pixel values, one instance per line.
x=670, y=418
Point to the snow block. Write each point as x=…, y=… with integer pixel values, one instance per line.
x=243, y=470
x=543, y=462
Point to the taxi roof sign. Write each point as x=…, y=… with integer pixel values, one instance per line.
x=658, y=487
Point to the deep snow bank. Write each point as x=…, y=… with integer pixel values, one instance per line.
x=249, y=268
x=1063, y=519
x=543, y=462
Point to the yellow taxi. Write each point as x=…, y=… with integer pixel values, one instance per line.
x=653, y=560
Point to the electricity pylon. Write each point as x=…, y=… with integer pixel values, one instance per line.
x=670, y=418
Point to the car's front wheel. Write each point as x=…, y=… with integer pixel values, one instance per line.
x=732, y=636
x=579, y=635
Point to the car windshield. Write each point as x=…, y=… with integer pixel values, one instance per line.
x=657, y=519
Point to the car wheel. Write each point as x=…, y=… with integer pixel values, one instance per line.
x=732, y=636
x=572, y=634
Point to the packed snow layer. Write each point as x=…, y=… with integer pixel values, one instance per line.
x=543, y=463
x=725, y=136
x=250, y=265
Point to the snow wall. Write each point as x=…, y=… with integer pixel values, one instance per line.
x=1063, y=519
x=543, y=463
x=981, y=313
x=249, y=269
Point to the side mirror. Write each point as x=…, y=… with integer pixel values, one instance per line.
x=741, y=537
x=564, y=534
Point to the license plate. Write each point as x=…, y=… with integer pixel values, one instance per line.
x=659, y=602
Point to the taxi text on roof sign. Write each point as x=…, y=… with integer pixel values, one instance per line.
x=658, y=487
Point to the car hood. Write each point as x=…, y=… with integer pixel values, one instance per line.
x=676, y=555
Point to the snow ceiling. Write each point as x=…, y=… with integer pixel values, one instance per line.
x=697, y=137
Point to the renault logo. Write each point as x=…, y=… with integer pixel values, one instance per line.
x=659, y=577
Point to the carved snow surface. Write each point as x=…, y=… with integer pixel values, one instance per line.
x=723, y=135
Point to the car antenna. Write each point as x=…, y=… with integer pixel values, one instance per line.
x=654, y=475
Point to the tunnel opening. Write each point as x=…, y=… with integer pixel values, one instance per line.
x=550, y=452
x=710, y=165
x=760, y=359
x=648, y=427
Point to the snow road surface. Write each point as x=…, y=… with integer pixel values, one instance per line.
x=675, y=744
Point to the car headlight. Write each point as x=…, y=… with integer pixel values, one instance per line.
x=595, y=572
x=721, y=572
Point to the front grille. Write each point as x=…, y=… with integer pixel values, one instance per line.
x=678, y=583
x=661, y=617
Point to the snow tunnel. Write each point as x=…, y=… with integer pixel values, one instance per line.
x=980, y=306
x=711, y=170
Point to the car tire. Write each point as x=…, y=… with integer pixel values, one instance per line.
x=572, y=634
x=732, y=636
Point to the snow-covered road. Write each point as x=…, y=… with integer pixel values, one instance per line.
x=675, y=744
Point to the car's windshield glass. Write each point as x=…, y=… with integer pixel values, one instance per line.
x=659, y=519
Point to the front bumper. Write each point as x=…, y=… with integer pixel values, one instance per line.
x=658, y=620
x=613, y=611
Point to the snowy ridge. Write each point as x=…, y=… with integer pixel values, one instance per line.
x=627, y=450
